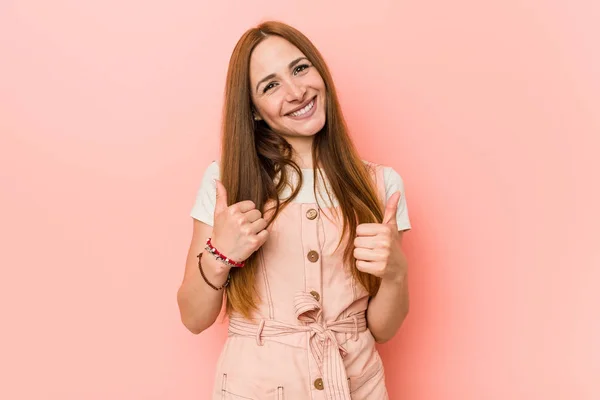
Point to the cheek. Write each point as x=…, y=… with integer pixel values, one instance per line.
x=269, y=108
x=322, y=84
x=317, y=82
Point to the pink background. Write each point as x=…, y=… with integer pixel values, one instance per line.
x=109, y=113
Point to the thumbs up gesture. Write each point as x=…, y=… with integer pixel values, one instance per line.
x=239, y=229
x=376, y=246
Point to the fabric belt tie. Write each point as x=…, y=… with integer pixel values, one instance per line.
x=324, y=346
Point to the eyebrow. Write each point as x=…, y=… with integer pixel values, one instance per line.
x=271, y=76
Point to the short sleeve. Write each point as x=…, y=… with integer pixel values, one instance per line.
x=206, y=196
x=393, y=183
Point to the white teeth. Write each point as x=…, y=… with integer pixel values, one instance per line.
x=304, y=110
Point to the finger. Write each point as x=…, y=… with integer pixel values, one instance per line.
x=369, y=229
x=391, y=208
x=244, y=206
x=262, y=237
x=221, y=203
x=366, y=266
x=372, y=242
x=258, y=225
x=365, y=242
x=367, y=254
x=252, y=215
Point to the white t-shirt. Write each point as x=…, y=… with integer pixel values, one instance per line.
x=204, y=206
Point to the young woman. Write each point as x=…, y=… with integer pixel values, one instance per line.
x=304, y=237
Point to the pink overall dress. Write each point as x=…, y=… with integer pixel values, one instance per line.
x=309, y=340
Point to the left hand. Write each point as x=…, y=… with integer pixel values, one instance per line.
x=376, y=246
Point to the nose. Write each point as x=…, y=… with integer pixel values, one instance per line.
x=295, y=92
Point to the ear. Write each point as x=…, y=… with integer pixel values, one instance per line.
x=255, y=115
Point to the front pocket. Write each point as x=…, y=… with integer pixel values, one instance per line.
x=232, y=396
x=372, y=376
x=227, y=395
x=230, y=392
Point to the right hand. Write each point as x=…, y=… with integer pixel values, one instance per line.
x=239, y=229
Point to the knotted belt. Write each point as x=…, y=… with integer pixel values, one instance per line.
x=324, y=346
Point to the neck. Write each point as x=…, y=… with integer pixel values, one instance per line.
x=302, y=151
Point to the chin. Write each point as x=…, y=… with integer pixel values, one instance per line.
x=317, y=124
x=321, y=125
x=312, y=131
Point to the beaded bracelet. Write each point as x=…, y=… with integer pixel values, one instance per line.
x=206, y=280
x=221, y=257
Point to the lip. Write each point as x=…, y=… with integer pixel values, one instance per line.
x=302, y=106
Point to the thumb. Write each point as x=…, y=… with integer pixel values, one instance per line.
x=221, y=203
x=389, y=216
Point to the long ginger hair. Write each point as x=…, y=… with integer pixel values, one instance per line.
x=253, y=155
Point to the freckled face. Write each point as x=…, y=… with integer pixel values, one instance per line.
x=288, y=92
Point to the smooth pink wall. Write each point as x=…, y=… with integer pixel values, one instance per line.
x=109, y=112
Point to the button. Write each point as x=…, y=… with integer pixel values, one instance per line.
x=315, y=295
x=313, y=256
x=311, y=214
x=319, y=384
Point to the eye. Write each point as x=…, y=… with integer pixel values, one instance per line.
x=269, y=87
x=300, y=68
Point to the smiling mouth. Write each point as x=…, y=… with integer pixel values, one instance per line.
x=305, y=109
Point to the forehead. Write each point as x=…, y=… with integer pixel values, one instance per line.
x=272, y=55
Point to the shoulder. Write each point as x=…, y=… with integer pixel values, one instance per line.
x=212, y=171
x=213, y=168
x=372, y=167
x=392, y=180
x=390, y=175
x=393, y=183
x=204, y=206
